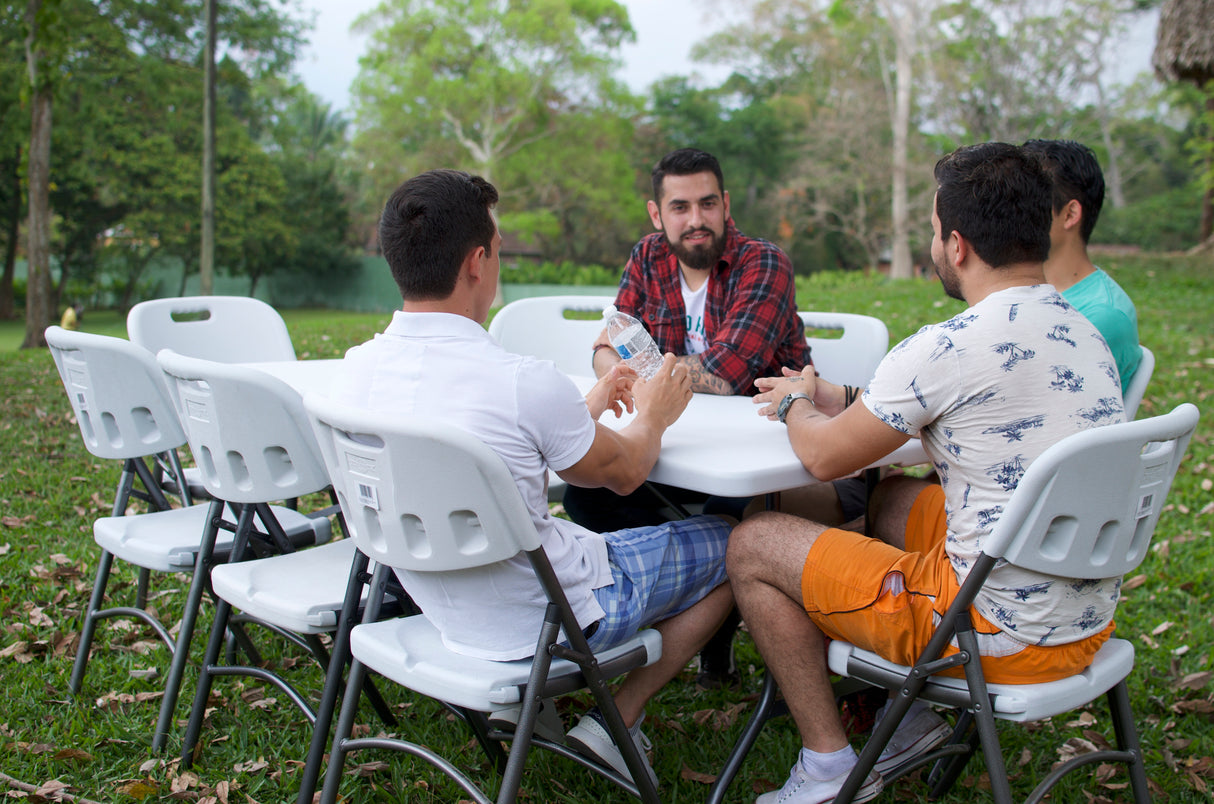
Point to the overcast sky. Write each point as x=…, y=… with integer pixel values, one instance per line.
x=666, y=31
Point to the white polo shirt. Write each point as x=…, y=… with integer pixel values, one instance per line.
x=448, y=367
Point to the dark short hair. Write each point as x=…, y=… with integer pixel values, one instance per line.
x=998, y=197
x=1077, y=176
x=685, y=162
x=429, y=225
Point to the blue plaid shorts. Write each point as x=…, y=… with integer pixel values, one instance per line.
x=658, y=571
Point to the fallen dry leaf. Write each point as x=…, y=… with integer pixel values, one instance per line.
x=690, y=775
x=1133, y=583
x=1194, y=681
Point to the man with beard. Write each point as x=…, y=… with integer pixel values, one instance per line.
x=987, y=391
x=722, y=301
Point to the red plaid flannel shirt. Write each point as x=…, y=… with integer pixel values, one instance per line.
x=750, y=316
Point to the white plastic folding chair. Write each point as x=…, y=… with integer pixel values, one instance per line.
x=298, y=595
x=427, y=497
x=124, y=412
x=227, y=329
x=1137, y=387
x=853, y=356
x=251, y=451
x=557, y=328
x=1086, y=509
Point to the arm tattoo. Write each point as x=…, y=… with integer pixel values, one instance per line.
x=702, y=380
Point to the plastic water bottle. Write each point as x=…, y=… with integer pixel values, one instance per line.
x=633, y=343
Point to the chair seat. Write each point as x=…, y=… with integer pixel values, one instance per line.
x=1016, y=702
x=410, y=651
x=302, y=591
x=168, y=541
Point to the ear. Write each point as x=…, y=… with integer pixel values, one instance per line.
x=1072, y=214
x=655, y=216
x=725, y=200
x=474, y=263
x=957, y=249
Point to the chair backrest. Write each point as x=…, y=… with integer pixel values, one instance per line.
x=1134, y=392
x=1087, y=507
x=227, y=329
x=118, y=393
x=247, y=430
x=418, y=494
x=538, y=327
x=851, y=358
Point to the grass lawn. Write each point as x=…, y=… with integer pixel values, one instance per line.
x=98, y=744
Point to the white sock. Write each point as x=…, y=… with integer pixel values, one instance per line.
x=828, y=766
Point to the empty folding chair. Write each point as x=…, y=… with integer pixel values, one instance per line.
x=258, y=445
x=1086, y=509
x=123, y=409
x=427, y=497
x=226, y=329
x=852, y=357
x=251, y=451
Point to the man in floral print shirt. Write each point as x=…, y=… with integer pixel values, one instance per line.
x=987, y=392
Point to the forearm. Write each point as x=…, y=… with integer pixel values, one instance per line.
x=603, y=358
x=702, y=380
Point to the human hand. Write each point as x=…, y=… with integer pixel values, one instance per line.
x=774, y=389
x=666, y=394
x=613, y=392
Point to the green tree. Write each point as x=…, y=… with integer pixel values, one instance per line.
x=492, y=86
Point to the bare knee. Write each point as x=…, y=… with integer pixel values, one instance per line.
x=745, y=551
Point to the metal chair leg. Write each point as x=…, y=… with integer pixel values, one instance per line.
x=181, y=653
x=767, y=707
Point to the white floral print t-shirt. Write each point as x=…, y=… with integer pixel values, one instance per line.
x=987, y=392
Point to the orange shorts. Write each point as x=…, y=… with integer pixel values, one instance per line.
x=889, y=601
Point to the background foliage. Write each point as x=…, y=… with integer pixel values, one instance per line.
x=527, y=94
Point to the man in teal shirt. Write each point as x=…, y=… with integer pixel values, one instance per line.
x=1078, y=196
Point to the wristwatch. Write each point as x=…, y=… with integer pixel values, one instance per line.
x=786, y=403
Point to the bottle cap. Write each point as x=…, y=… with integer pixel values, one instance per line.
x=609, y=311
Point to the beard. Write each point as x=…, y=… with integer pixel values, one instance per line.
x=948, y=280
x=701, y=257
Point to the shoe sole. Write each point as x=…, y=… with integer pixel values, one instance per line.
x=593, y=748
x=542, y=729
x=921, y=746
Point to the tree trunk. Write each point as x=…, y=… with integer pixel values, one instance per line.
x=8, y=309
x=1113, y=174
x=206, y=262
x=903, y=28
x=38, y=290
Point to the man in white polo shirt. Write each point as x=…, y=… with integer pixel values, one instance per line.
x=441, y=242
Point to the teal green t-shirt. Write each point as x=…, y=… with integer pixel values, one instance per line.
x=1105, y=304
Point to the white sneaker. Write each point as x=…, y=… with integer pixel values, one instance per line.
x=591, y=738
x=914, y=737
x=801, y=789
x=547, y=725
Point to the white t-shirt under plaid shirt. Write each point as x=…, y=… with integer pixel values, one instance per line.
x=987, y=392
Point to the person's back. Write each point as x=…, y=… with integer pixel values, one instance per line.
x=998, y=384
x=1108, y=306
x=1078, y=194
x=447, y=367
